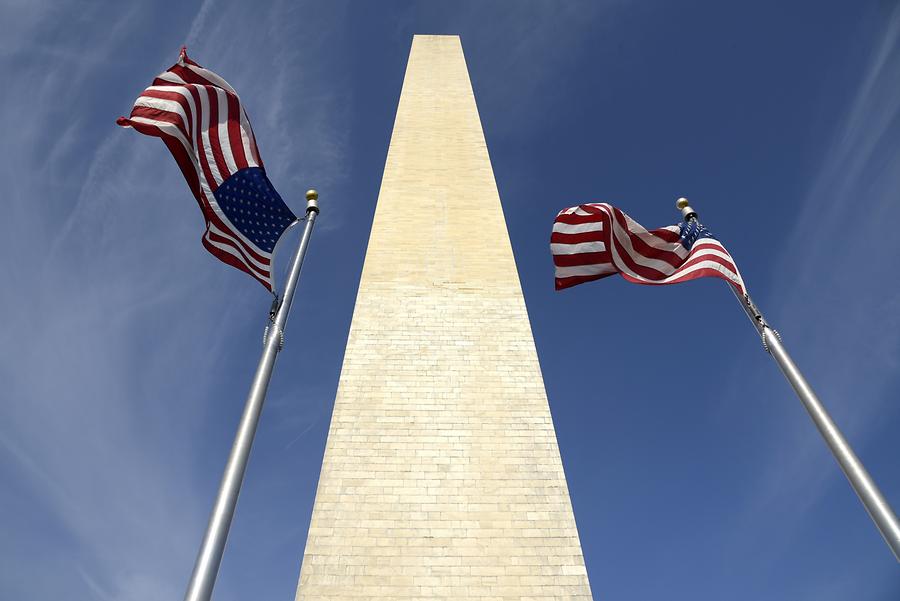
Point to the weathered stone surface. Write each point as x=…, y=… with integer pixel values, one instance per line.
x=442, y=477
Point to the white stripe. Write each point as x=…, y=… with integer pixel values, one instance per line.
x=655, y=241
x=247, y=139
x=719, y=251
x=617, y=260
x=205, y=187
x=712, y=241
x=169, y=76
x=620, y=236
x=705, y=265
x=681, y=273
x=207, y=153
x=163, y=105
x=596, y=269
x=216, y=81
x=236, y=236
x=231, y=251
x=224, y=140
x=233, y=233
x=706, y=252
x=623, y=240
x=213, y=78
x=185, y=92
x=577, y=228
x=580, y=247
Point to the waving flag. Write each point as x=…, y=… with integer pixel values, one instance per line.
x=593, y=241
x=201, y=120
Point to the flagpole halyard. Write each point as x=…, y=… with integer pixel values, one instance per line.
x=209, y=557
x=865, y=488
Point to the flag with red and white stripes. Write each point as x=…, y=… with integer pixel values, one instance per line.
x=593, y=241
x=201, y=120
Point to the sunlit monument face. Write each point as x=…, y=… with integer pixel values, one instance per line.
x=442, y=476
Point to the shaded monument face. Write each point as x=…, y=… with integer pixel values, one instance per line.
x=442, y=476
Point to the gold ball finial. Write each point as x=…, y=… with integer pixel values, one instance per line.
x=312, y=195
x=681, y=203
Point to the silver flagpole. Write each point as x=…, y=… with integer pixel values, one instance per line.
x=863, y=485
x=206, y=567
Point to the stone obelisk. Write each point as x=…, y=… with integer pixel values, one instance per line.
x=442, y=477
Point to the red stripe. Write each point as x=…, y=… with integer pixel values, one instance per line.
x=643, y=248
x=213, y=132
x=640, y=248
x=234, y=131
x=214, y=237
x=666, y=235
x=702, y=245
x=561, y=238
x=190, y=76
x=641, y=270
x=234, y=262
x=252, y=251
x=582, y=259
x=254, y=150
x=600, y=214
x=175, y=97
x=201, y=155
x=562, y=283
x=700, y=273
x=193, y=161
x=573, y=219
x=693, y=260
x=187, y=166
x=190, y=174
x=161, y=115
x=676, y=277
x=683, y=278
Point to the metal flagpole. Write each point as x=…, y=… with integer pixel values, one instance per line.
x=206, y=567
x=863, y=485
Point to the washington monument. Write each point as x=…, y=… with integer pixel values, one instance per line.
x=442, y=477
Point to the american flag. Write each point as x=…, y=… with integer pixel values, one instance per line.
x=593, y=241
x=201, y=120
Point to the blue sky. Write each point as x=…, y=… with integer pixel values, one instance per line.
x=126, y=350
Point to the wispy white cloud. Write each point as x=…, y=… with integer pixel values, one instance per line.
x=199, y=24
x=110, y=351
x=848, y=344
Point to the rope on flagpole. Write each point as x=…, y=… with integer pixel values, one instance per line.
x=865, y=488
